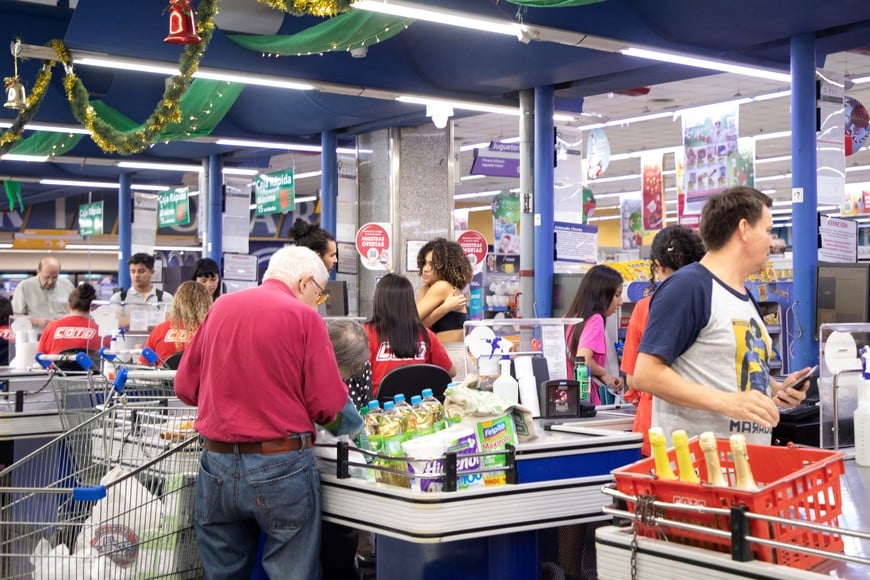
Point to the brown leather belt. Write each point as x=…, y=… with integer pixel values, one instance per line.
x=293, y=442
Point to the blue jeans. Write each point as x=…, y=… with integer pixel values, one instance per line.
x=237, y=495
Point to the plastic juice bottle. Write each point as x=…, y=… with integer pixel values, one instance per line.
x=505, y=386
x=390, y=429
x=439, y=421
x=581, y=375
x=417, y=422
x=371, y=420
x=406, y=412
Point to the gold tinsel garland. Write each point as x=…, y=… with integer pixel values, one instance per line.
x=167, y=110
x=312, y=7
x=11, y=136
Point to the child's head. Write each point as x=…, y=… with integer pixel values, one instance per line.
x=600, y=292
x=672, y=248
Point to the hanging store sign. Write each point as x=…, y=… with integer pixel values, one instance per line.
x=275, y=192
x=91, y=219
x=173, y=207
x=652, y=191
x=500, y=160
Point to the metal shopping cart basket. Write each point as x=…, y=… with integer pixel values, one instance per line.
x=110, y=498
x=79, y=396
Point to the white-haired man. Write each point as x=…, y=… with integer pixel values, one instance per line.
x=262, y=371
x=43, y=297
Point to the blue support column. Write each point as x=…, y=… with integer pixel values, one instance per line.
x=125, y=227
x=544, y=245
x=214, y=211
x=805, y=349
x=328, y=180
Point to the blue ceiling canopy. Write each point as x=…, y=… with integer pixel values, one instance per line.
x=426, y=59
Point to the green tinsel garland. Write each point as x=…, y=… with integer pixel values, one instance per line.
x=312, y=7
x=167, y=110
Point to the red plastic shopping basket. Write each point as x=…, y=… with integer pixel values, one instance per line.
x=795, y=483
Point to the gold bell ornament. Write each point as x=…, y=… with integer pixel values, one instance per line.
x=182, y=28
x=15, y=96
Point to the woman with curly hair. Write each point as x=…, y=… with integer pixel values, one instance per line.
x=189, y=307
x=441, y=304
x=316, y=239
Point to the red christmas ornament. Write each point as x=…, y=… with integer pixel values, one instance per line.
x=182, y=28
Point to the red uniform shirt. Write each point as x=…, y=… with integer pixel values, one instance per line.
x=383, y=360
x=633, y=335
x=69, y=332
x=260, y=366
x=166, y=341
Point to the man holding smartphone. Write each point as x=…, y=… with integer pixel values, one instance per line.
x=705, y=354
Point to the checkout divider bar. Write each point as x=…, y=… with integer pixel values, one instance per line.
x=740, y=541
x=450, y=473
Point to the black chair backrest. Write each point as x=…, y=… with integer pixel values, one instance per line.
x=172, y=362
x=72, y=366
x=411, y=380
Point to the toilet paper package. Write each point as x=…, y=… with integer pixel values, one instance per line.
x=426, y=458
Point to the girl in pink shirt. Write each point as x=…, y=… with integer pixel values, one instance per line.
x=599, y=295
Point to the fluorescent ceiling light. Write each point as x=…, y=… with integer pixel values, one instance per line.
x=615, y=178
x=477, y=107
x=473, y=146
x=307, y=175
x=769, y=96
x=709, y=64
x=99, y=184
x=471, y=177
x=203, y=73
x=460, y=196
x=269, y=145
x=861, y=80
x=603, y=218
x=773, y=177
x=438, y=16
x=27, y=158
x=475, y=208
x=777, y=135
x=240, y=171
x=773, y=159
x=180, y=167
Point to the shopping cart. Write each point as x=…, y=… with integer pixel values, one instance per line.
x=110, y=498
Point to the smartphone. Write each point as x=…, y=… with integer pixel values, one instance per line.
x=801, y=383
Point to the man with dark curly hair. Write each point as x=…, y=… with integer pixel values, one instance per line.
x=441, y=303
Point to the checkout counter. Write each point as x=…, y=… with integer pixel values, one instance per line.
x=489, y=532
x=28, y=413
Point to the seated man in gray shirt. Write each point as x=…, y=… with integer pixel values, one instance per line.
x=43, y=297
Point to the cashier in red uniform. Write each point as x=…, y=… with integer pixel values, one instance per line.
x=189, y=307
x=77, y=329
x=396, y=334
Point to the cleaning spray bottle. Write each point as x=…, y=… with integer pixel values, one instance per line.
x=861, y=417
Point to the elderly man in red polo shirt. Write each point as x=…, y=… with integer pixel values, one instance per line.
x=262, y=372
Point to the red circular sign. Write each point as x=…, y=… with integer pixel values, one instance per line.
x=474, y=245
x=373, y=246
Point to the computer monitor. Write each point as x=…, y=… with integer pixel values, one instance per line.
x=337, y=303
x=842, y=293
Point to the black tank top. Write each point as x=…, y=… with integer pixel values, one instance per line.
x=450, y=321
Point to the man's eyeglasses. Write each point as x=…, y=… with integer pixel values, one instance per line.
x=324, y=295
